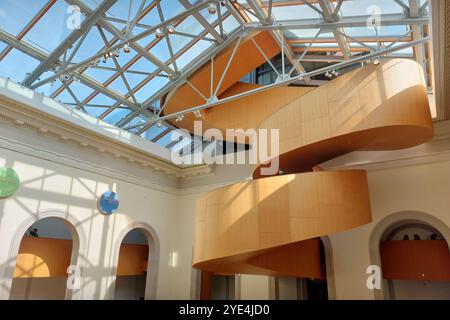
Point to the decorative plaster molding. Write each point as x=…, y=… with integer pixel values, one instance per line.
x=40, y=153
x=20, y=115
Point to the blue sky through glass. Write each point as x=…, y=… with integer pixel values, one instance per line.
x=51, y=30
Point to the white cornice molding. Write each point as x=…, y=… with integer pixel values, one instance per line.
x=33, y=151
x=17, y=106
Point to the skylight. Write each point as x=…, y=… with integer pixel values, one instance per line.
x=125, y=88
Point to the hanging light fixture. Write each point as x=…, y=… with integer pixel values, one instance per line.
x=126, y=48
x=212, y=8
x=159, y=34
x=180, y=118
x=376, y=61
x=117, y=53
x=170, y=28
x=197, y=113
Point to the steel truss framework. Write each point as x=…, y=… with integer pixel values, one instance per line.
x=326, y=38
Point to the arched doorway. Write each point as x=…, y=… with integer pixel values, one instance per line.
x=412, y=251
x=47, y=249
x=137, y=264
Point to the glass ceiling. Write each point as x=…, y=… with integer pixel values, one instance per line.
x=158, y=42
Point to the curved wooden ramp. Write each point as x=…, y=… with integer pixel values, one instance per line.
x=256, y=226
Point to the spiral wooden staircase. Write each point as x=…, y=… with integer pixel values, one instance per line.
x=271, y=225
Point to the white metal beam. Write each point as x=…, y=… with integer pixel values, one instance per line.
x=112, y=29
x=205, y=24
x=41, y=56
x=345, y=22
x=91, y=20
x=329, y=16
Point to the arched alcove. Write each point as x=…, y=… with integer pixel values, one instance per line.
x=141, y=242
x=39, y=259
x=392, y=241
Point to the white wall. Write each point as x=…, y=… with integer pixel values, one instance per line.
x=38, y=289
x=420, y=188
x=49, y=186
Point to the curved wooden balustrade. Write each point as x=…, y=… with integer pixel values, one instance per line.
x=270, y=225
x=246, y=59
x=236, y=224
x=381, y=107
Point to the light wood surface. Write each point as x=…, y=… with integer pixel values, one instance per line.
x=381, y=107
x=250, y=227
x=133, y=260
x=415, y=260
x=246, y=59
x=43, y=258
x=47, y=257
x=251, y=218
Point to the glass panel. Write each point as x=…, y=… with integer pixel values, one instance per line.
x=182, y=144
x=150, y=88
x=192, y=53
x=116, y=115
x=154, y=131
x=15, y=15
x=16, y=65
x=293, y=12
x=52, y=29
x=384, y=31
x=167, y=139
x=364, y=7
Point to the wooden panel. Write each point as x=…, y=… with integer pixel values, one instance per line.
x=43, y=257
x=205, y=285
x=132, y=260
x=300, y=259
x=415, y=260
x=258, y=216
x=381, y=107
x=46, y=257
x=246, y=59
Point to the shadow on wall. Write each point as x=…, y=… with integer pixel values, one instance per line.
x=42, y=186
